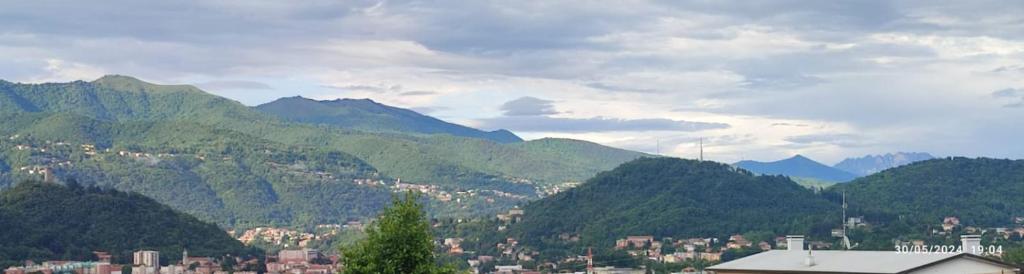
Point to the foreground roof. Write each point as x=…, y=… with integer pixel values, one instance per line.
x=838, y=261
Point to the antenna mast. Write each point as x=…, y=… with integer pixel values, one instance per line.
x=701, y=149
x=846, y=240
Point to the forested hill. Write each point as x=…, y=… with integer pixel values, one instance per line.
x=46, y=221
x=367, y=115
x=670, y=197
x=982, y=192
x=222, y=161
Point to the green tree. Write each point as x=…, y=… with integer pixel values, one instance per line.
x=1014, y=256
x=398, y=242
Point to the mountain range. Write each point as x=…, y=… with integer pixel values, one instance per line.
x=871, y=164
x=797, y=166
x=370, y=116
x=239, y=166
x=809, y=172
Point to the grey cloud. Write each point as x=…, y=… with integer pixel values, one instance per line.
x=609, y=87
x=1014, y=95
x=528, y=106
x=385, y=88
x=1008, y=93
x=789, y=125
x=839, y=139
x=781, y=82
x=1017, y=68
x=428, y=110
x=228, y=84
x=596, y=124
x=417, y=93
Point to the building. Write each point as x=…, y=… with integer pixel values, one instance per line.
x=146, y=262
x=300, y=256
x=146, y=258
x=797, y=260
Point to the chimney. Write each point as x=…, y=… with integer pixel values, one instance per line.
x=809, y=261
x=971, y=244
x=795, y=242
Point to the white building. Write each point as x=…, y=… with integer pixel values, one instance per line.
x=797, y=260
x=147, y=258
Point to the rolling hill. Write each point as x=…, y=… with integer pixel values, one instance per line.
x=871, y=164
x=669, y=197
x=798, y=166
x=370, y=116
x=47, y=221
x=981, y=192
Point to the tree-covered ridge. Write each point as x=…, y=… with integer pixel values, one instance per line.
x=980, y=192
x=45, y=221
x=370, y=116
x=669, y=197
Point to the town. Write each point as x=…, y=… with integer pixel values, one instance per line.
x=300, y=261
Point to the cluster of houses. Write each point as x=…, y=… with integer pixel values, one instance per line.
x=548, y=190
x=285, y=237
x=143, y=262
x=684, y=249
x=301, y=261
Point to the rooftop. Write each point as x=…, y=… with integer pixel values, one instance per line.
x=837, y=261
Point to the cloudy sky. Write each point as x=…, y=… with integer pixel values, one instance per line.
x=756, y=79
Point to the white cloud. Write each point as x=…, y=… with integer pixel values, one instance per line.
x=62, y=71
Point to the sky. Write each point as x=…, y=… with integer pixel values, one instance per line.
x=760, y=80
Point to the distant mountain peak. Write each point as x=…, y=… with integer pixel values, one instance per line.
x=800, y=157
x=798, y=166
x=124, y=82
x=118, y=78
x=870, y=164
x=368, y=115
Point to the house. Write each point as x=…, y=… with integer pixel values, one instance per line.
x=797, y=260
x=951, y=220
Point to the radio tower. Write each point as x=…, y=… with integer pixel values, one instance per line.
x=846, y=240
x=701, y=149
x=590, y=261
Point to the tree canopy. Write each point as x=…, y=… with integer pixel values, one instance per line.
x=399, y=242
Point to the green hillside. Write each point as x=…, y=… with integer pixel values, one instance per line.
x=217, y=175
x=228, y=163
x=981, y=192
x=669, y=197
x=370, y=116
x=46, y=221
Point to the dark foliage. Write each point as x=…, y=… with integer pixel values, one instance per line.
x=44, y=221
